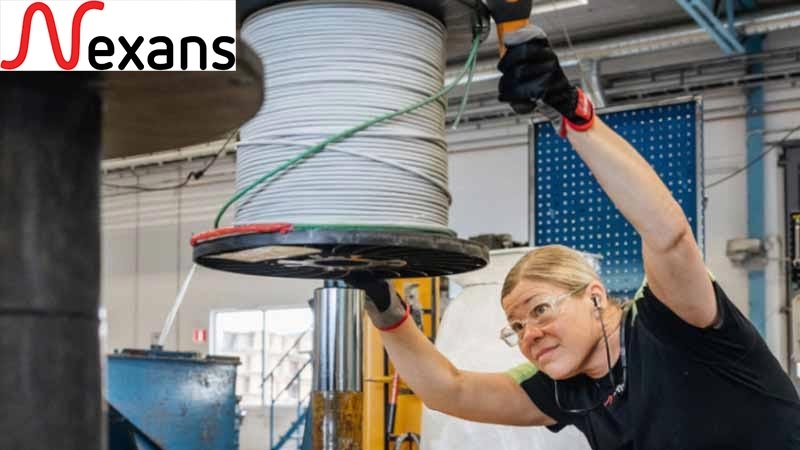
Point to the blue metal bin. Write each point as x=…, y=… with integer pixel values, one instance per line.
x=179, y=401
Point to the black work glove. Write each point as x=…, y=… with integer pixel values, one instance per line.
x=533, y=79
x=384, y=306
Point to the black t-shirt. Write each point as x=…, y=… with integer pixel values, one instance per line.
x=687, y=388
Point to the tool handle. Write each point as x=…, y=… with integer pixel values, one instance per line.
x=393, y=405
x=510, y=15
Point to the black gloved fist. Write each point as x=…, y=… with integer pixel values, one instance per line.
x=384, y=306
x=532, y=75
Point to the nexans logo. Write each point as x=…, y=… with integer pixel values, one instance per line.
x=118, y=35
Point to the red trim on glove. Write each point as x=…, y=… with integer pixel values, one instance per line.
x=402, y=321
x=574, y=127
x=585, y=110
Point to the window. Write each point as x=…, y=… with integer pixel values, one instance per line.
x=275, y=340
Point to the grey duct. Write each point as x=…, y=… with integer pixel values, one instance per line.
x=590, y=82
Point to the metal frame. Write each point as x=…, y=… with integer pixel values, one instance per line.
x=724, y=36
x=699, y=163
x=700, y=174
x=532, y=181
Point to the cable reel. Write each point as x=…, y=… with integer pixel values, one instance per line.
x=376, y=200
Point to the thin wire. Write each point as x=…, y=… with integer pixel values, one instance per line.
x=347, y=134
x=465, y=99
x=758, y=158
x=567, y=36
x=191, y=176
x=608, y=348
x=619, y=389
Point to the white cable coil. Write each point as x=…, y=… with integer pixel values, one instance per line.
x=331, y=65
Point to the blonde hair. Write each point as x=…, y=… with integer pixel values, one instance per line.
x=554, y=264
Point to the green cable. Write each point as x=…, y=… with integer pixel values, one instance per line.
x=352, y=131
x=465, y=99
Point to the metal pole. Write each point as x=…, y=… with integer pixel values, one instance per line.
x=272, y=415
x=755, y=189
x=50, y=377
x=336, y=402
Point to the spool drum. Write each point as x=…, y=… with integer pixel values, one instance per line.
x=334, y=252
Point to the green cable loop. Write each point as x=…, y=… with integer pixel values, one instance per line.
x=468, y=67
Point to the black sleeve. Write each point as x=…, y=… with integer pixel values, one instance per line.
x=730, y=339
x=540, y=390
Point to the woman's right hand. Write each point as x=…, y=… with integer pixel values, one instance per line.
x=481, y=397
x=384, y=306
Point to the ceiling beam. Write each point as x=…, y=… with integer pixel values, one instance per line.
x=722, y=35
x=750, y=5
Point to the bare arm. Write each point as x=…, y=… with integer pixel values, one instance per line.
x=479, y=397
x=673, y=263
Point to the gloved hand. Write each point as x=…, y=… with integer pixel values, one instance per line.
x=384, y=306
x=533, y=78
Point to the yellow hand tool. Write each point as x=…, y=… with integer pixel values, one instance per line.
x=510, y=15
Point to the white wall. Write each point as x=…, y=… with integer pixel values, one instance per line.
x=489, y=179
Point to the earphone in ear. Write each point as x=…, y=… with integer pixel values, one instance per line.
x=596, y=302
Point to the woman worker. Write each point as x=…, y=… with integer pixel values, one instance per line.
x=677, y=368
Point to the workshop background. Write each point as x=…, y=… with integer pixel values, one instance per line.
x=633, y=52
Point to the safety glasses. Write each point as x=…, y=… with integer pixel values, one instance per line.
x=543, y=312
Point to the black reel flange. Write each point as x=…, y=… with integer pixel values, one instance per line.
x=333, y=254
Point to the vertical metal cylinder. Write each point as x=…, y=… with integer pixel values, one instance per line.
x=337, y=399
x=338, y=314
x=796, y=256
x=49, y=271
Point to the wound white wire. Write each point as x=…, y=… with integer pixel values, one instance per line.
x=331, y=65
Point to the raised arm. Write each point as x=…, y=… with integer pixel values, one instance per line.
x=479, y=397
x=673, y=263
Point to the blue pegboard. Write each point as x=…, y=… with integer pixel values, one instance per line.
x=571, y=209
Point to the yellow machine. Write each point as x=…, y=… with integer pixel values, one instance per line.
x=423, y=295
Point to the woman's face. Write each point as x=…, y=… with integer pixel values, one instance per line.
x=561, y=347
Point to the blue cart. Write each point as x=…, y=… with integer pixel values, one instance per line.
x=172, y=401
